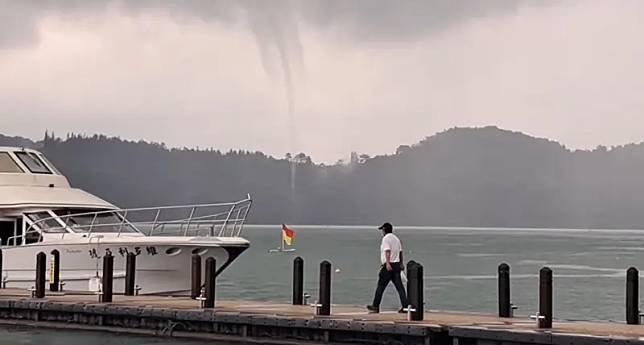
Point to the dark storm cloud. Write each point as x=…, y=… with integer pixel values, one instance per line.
x=327, y=77
x=387, y=20
x=368, y=20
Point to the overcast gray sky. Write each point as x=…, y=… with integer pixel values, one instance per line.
x=324, y=77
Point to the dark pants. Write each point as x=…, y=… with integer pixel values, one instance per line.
x=384, y=277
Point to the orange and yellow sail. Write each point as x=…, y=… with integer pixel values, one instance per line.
x=287, y=235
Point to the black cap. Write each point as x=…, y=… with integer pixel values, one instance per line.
x=386, y=227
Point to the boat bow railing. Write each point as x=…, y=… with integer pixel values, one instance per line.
x=210, y=220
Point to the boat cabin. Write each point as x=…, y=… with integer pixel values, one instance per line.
x=37, y=202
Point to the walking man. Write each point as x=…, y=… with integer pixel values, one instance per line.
x=392, y=266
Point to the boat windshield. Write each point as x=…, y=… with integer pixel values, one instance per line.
x=79, y=220
x=7, y=165
x=33, y=163
x=45, y=222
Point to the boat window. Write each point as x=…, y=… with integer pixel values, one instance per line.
x=50, y=165
x=33, y=237
x=7, y=230
x=80, y=221
x=33, y=163
x=7, y=164
x=45, y=222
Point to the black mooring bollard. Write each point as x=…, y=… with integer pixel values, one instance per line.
x=415, y=290
x=325, y=288
x=211, y=276
x=195, y=277
x=545, y=298
x=41, y=273
x=130, y=274
x=410, y=264
x=108, y=275
x=632, y=296
x=1, y=276
x=505, y=308
x=54, y=271
x=298, y=281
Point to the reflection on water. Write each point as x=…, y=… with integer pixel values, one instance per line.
x=35, y=336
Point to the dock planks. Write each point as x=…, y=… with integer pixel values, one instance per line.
x=437, y=327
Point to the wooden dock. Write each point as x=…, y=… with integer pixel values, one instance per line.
x=281, y=323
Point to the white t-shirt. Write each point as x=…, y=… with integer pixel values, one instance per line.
x=392, y=243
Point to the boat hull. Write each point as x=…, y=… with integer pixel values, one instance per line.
x=161, y=268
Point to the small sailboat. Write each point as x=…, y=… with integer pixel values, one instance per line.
x=285, y=242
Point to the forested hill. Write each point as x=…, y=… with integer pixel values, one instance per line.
x=460, y=177
x=18, y=141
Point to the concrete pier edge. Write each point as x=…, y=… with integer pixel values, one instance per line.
x=267, y=328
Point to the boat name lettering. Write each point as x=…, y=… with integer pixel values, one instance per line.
x=73, y=251
x=93, y=254
x=150, y=250
x=124, y=251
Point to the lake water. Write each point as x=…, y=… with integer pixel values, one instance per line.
x=460, y=269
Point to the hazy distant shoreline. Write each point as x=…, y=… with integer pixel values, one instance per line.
x=463, y=177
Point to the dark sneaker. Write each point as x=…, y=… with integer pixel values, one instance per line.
x=402, y=311
x=373, y=309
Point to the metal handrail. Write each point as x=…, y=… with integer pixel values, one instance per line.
x=241, y=224
x=192, y=213
x=221, y=218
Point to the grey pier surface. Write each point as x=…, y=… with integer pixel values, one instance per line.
x=281, y=323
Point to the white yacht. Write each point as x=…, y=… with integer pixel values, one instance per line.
x=40, y=212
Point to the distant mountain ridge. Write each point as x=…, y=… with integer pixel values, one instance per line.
x=485, y=177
